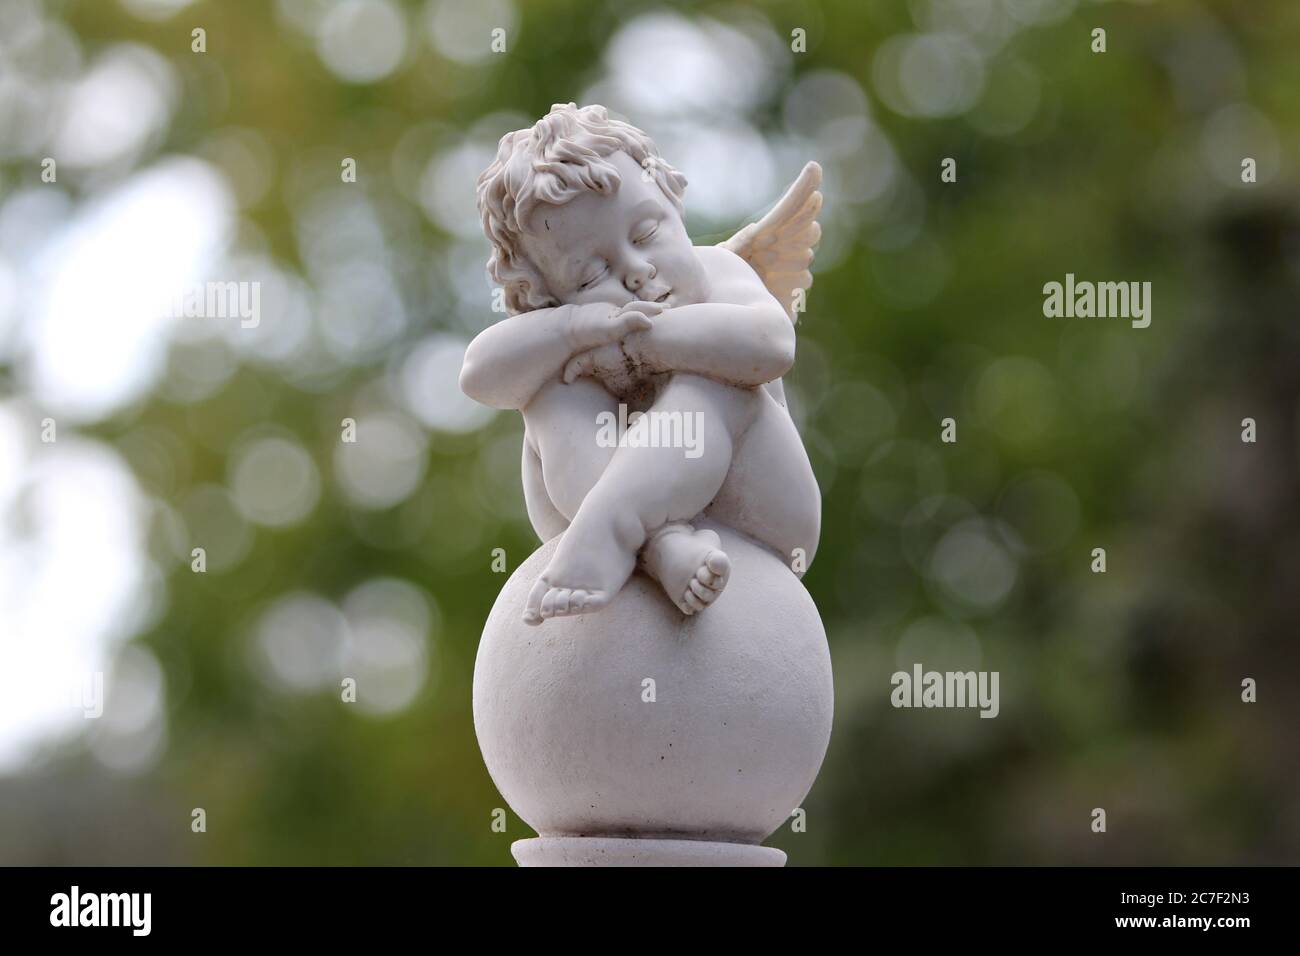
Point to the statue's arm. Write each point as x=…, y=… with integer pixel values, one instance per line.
x=741, y=336
x=509, y=361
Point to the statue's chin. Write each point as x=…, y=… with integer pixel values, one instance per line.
x=640, y=722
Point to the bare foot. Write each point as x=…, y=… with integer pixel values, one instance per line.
x=690, y=565
x=547, y=601
x=583, y=576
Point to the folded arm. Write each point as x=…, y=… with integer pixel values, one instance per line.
x=509, y=361
x=745, y=345
x=741, y=336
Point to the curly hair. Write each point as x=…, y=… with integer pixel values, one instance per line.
x=559, y=157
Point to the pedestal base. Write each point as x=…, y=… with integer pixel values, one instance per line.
x=607, y=851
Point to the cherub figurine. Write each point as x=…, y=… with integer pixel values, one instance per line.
x=610, y=302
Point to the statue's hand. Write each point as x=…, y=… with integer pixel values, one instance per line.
x=619, y=364
x=598, y=323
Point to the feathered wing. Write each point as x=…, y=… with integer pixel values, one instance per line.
x=779, y=247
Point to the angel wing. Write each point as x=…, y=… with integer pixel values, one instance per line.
x=779, y=247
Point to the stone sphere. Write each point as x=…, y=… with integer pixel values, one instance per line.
x=639, y=721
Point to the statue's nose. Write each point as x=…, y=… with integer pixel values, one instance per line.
x=639, y=276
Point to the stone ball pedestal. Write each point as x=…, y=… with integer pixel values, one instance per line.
x=696, y=768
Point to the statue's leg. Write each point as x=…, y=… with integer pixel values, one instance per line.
x=561, y=425
x=646, y=485
x=689, y=564
x=542, y=513
x=770, y=493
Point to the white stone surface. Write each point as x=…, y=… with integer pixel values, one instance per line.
x=724, y=754
x=606, y=851
x=614, y=313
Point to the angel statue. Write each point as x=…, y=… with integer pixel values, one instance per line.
x=613, y=308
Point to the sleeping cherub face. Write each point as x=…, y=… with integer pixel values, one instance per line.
x=620, y=248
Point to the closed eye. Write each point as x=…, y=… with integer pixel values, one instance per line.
x=646, y=236
x=592, y=280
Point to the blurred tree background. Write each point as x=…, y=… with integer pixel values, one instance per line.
x=326, y=559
